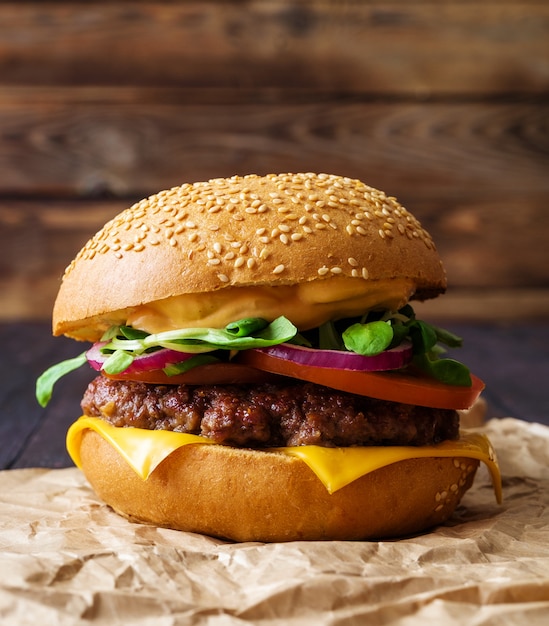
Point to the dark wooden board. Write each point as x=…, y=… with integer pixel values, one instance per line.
x=417, y=48
x=27, y=350
x=75, y=144
x=444, y=105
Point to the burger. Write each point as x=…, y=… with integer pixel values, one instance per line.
x=261, y=373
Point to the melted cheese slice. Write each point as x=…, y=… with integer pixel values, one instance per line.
x=144, y=450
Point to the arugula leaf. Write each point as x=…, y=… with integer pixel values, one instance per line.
x=423, y=336
x=185, y=366
x=448, y=371
x=47, y=380
x=124, y=343
x=328, y=337
x=368, y=339
x=203, y=339
x=448, y=338
x=117, y=362
x=247, y=326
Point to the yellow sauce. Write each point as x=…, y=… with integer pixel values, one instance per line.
x=307, y=304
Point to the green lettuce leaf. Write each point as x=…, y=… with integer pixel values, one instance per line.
x=47, y=380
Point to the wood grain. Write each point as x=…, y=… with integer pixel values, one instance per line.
x=417, y=48
x=444, y=105
x=80, y=147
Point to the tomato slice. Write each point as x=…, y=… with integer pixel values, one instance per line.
x=211, y=374
x=255, y=366
x=410, y=387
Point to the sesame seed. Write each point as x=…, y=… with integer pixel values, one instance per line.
x=320, y=226
x=322, y=271
x=354, y=273
x=217, y=247
x=239, y=262
x=361, y=230
x=296, y=236
x=353, y=262
x=336, y=270
x=223, y=278
x=278, y=269
x=284, y=228
x=214, y=262
x=284, y=238
x=260, y=231
x=307, y=230
x=251, y=263
x=365, y=273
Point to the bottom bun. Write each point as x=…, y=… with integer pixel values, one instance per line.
x=250, y=495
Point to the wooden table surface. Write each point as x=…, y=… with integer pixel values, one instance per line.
x=513, y=360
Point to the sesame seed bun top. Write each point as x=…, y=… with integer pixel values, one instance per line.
x=241, y=236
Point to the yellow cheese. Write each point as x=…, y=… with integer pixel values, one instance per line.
x=144, y=450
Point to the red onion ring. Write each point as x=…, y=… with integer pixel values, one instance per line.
x=392, y=359
x=146, y=362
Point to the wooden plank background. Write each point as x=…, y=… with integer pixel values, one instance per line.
x=442, y=104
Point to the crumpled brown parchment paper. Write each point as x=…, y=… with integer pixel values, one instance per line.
x=65, y=558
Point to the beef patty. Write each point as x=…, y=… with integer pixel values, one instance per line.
x=269, y=414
